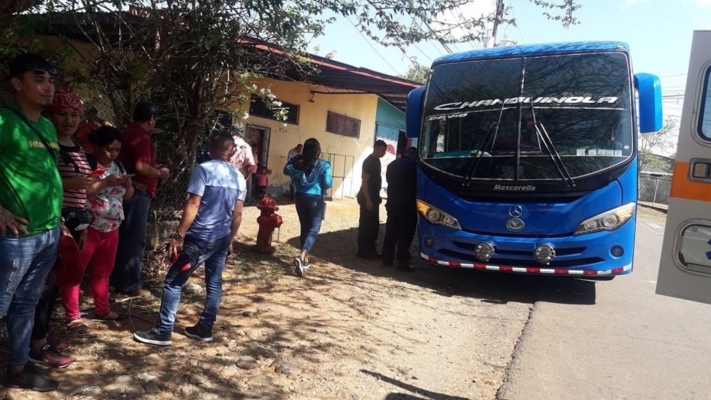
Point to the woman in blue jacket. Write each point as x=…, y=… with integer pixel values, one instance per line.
x=312, y=177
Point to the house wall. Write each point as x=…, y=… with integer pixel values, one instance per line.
x=345, y=153
x=389, y=121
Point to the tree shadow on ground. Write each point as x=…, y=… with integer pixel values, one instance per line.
x=339, y=247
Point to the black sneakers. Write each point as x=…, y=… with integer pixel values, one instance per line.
x=405, y=267
x=368, y=255
x=50, y=356
x=152, y=337
x=30, y=379
x=198, y=333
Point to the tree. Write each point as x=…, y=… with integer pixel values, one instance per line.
x=194, y=56
x=417, y=72
x=652, y=145
x=9, y=7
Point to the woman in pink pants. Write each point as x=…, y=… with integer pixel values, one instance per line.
x=105, y=200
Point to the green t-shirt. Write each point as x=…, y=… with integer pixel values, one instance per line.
x=30, y=185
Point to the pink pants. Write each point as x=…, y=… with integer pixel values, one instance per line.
x=100, y=251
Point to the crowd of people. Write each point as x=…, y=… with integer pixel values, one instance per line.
x=75, y=194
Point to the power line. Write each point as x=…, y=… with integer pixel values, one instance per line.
x=373, y=47
x=423, y=53
x=517, y=27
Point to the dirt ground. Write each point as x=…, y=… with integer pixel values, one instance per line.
x=351, y=329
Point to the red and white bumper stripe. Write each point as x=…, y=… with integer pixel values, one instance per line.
x=531, y=270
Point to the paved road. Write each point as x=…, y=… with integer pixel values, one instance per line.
x=629, y=344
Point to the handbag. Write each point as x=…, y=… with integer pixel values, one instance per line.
x=77, y=219
x=69, y=267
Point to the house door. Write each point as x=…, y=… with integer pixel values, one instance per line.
x=258, y=137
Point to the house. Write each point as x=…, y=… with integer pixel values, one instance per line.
x=345, y=108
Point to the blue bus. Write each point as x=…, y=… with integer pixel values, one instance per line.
x=528, y=158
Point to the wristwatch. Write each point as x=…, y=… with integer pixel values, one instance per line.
x=178, y=236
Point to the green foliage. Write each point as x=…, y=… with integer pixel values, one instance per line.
x=566, y=7
x=194, y=56
x=417, y=72
x=651, y=145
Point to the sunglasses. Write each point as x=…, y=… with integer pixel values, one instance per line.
x=42, y=69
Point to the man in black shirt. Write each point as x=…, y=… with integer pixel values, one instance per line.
x=369, y=201
x=402, y=210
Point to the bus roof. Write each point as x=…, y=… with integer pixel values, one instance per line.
x=531, y=49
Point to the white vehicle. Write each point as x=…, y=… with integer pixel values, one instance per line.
x=685, y=265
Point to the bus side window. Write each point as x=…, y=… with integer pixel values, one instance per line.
x=704, y=128
x=693, y=248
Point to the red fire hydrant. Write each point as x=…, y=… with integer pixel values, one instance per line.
x=268, y=220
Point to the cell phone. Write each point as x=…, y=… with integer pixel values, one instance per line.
x=97, y=173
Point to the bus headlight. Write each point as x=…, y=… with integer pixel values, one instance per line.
x=436, y=216
x=607, y=221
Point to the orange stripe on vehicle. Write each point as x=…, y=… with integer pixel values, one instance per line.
x=683, y=188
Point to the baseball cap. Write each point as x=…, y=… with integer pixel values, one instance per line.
x=30, y=62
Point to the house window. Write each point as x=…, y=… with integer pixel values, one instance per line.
x=342, y=125
x=259, y=109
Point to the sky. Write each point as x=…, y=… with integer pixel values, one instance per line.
x=659, y=34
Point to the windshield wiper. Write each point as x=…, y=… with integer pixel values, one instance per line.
x=552, y=152
x=479, y=154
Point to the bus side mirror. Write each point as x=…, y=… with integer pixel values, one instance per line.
x=649, y=90
x=413, y=119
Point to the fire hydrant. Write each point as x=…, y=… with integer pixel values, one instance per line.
x=268, y=220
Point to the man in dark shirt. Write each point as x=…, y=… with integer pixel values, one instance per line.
x=402, y=210
x=138, y=155
x=369, y=201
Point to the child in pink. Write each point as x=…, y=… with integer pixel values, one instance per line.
x=105, y=200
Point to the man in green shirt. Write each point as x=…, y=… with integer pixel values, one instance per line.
x=30, y=208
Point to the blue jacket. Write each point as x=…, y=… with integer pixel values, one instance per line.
x=315, y=183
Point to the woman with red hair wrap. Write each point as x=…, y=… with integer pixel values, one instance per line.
x=65, y=114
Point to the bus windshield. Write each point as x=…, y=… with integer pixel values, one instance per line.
x=529, y=118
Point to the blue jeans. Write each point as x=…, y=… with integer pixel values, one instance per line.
x=126, y=276
x=310, y=210
x=195, y=252
x=24, y=264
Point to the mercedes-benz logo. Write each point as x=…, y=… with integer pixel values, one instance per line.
x=515, y=211
x=515, y=224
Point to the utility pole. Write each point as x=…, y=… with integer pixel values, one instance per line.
x=498, y=18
